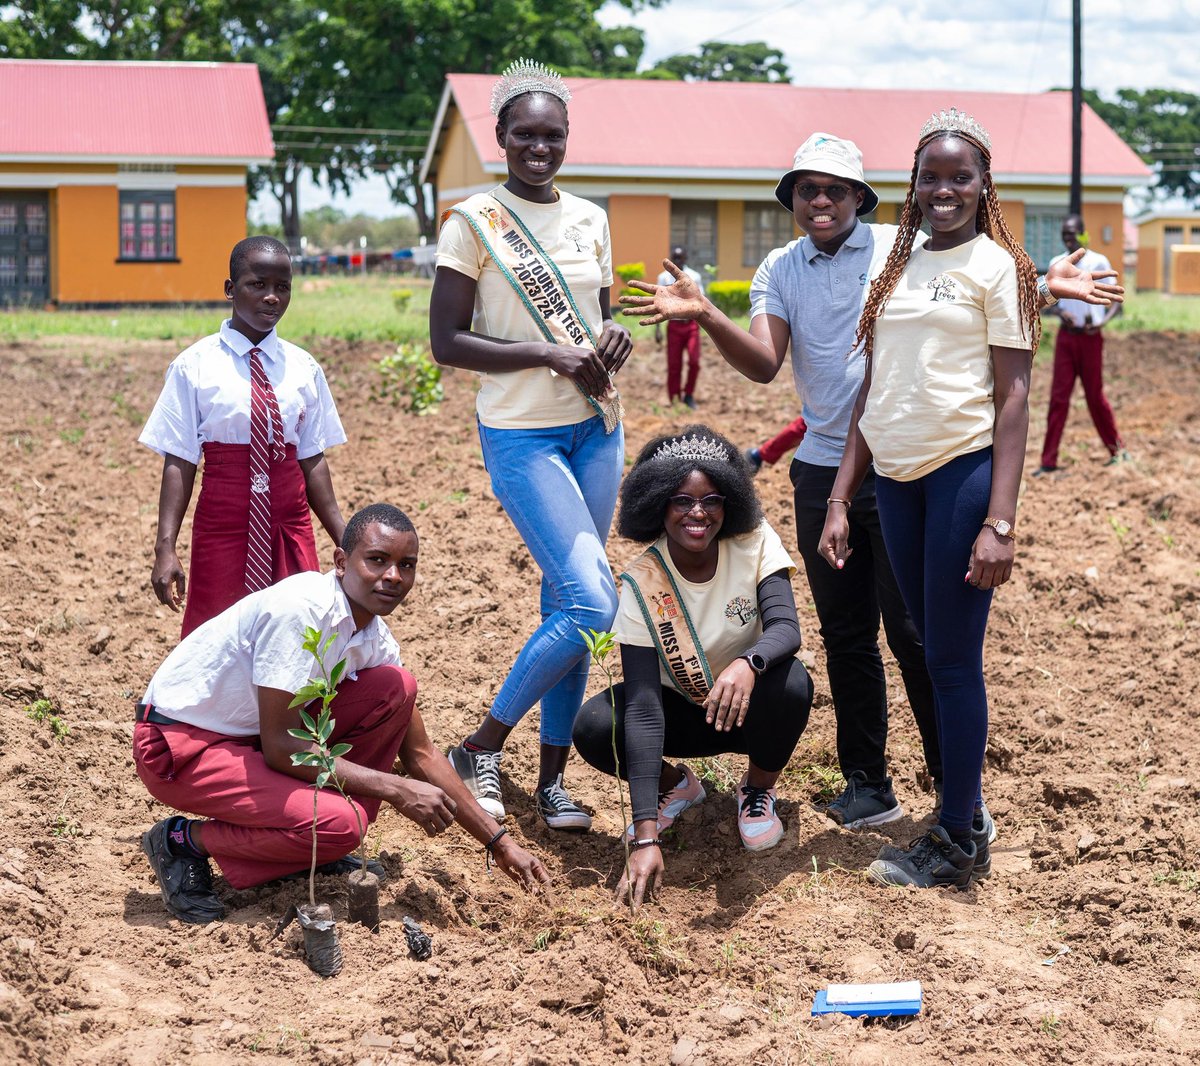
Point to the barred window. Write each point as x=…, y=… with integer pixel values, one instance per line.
x=147, y=225
x=766, y=226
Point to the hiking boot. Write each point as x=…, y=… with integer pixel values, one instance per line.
x=480, y=772
x=754, y=459
x=931, y=861
x=983, y=830
x=758, y=824
x=862, y=804
x=672, y=803
x=185, y=881
x=558, y=810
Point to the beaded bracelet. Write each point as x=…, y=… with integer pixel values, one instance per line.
x=648, y=842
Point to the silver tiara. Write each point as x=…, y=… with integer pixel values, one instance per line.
x=526, y=76
x=955, y=121
x=694, y=447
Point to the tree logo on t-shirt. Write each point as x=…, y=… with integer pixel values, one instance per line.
x=573, y=234
x=943, y=287
x=741, y=608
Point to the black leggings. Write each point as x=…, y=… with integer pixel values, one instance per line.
x=776, y=717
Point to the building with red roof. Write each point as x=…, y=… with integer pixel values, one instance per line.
x=695, y=163
x=124, y=182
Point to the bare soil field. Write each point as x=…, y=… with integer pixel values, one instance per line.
x=1083, y=947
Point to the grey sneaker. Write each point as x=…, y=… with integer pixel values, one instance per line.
x=983, y=832
x=558, y=810
x=480, y=772
x=932, y=861
x=184, y=881
x=863, y=804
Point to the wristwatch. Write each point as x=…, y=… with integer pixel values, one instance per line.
x=1043, y=288
x=1002, y=528
x=757, y=663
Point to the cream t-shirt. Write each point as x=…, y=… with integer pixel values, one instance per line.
x=724, y=609
x=931, y=375
x=574, y=233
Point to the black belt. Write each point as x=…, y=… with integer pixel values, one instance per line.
x=145, y=713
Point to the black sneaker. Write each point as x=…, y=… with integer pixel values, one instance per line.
x=480, y=772
x=1043, y=471
x=753, y=459
x=690, y=401
x=983, y=832
x=932, y=861
x=558, y=810
x=184, y=881
x=862, y=804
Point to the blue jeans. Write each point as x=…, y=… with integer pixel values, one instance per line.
x=559, y=487
x=929, y=526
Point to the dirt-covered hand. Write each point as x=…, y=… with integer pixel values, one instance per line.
x=991, y=560
x=729, y=698
x=168, y=580
x=581, y=365
x=524, y=868
x=643, y=878
x=1066, y=281
x=614, y=347
x=682, y=300
x=425, y=804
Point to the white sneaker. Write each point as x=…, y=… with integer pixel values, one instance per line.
x=480, y=772
x=558, y=810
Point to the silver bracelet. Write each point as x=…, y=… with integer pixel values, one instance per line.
x=1043, y=288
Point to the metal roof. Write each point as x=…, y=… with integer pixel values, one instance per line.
x=85, y=111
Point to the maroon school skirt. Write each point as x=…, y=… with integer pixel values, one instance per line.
x=220, y=530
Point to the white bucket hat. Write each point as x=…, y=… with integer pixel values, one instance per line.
x=823, y=153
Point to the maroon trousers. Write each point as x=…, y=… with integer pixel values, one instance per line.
x=783, y=441
x=220, y=530
x=1078, y=355
x=681, y=335
x=260, y=820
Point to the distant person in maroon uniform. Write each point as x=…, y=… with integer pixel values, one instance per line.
x=259, y=411
x=1079, y=353
x=681, y=336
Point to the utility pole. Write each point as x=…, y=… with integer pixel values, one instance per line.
x=1076, y=108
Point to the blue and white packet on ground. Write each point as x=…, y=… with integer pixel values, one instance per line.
x=897, y=998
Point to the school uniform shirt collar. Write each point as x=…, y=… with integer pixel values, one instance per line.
x=240, y=344
x=341, y=619
x=858, y=238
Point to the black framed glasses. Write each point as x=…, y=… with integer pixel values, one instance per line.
x=711, y=503
x=809, y=190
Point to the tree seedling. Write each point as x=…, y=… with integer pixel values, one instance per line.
x=43, y=711
x=600, y=645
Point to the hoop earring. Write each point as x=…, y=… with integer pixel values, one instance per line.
x=500, y=152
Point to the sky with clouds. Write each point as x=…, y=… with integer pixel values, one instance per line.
x=1011, y=46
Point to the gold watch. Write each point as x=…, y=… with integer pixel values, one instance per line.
x=1002, y=527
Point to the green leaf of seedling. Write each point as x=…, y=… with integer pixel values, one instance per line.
x=326, y=732
x=300, y=734
x=338, y=750
x=323, y=779
x=305, y=758
x=309, y=724
x=336, y=675
x=328, y=643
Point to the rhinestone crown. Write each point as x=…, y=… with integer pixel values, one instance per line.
x=955, y=121
x=526, y=76
x=694, y=447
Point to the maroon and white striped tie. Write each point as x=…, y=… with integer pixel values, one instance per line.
x=266, y=445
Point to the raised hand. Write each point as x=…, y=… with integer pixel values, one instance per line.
x=682, y=300
x=1068, y=282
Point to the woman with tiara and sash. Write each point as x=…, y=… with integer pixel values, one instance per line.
x=708, y=633
x=521, y=296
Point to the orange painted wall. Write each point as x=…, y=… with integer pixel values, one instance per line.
x=1095, y=218
x=209, y=222
x=640, y=227
x=731, y=226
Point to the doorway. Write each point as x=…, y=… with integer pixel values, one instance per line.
x=24, y=248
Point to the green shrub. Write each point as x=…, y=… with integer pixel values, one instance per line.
x=402, y=298
x=410, y=374
x=628, y=272
x=731, y=297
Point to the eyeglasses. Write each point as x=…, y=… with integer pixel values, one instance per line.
x=711, y=503
x=808, y=190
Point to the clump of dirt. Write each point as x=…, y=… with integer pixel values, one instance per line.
x=1082, y=946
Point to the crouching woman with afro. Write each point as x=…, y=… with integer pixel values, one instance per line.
x=708, y=634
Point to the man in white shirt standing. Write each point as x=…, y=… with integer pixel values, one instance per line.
x=212, y=731
x=1079, y=353
x=681, y=335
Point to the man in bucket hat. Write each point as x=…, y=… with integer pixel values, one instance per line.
x=809, y=295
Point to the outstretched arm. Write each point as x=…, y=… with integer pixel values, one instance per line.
x=1066, y=281
x=757, y=354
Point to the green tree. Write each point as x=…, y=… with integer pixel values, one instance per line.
x=1163, y=127
x=721, y=61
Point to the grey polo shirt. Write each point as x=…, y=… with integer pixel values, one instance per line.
x=820, y=297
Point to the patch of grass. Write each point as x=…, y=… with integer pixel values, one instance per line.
x=657, y=947
x=715, y=769
x=131, y=414
x=43, y=711
x=1188, y=880
x=1050, y=1025
x=1158, y=311
x=74, y=435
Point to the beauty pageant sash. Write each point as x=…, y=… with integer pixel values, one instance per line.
x=667, y=619
x=536, y=279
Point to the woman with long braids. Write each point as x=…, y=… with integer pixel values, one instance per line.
x=948, y=332
x=521, y=297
